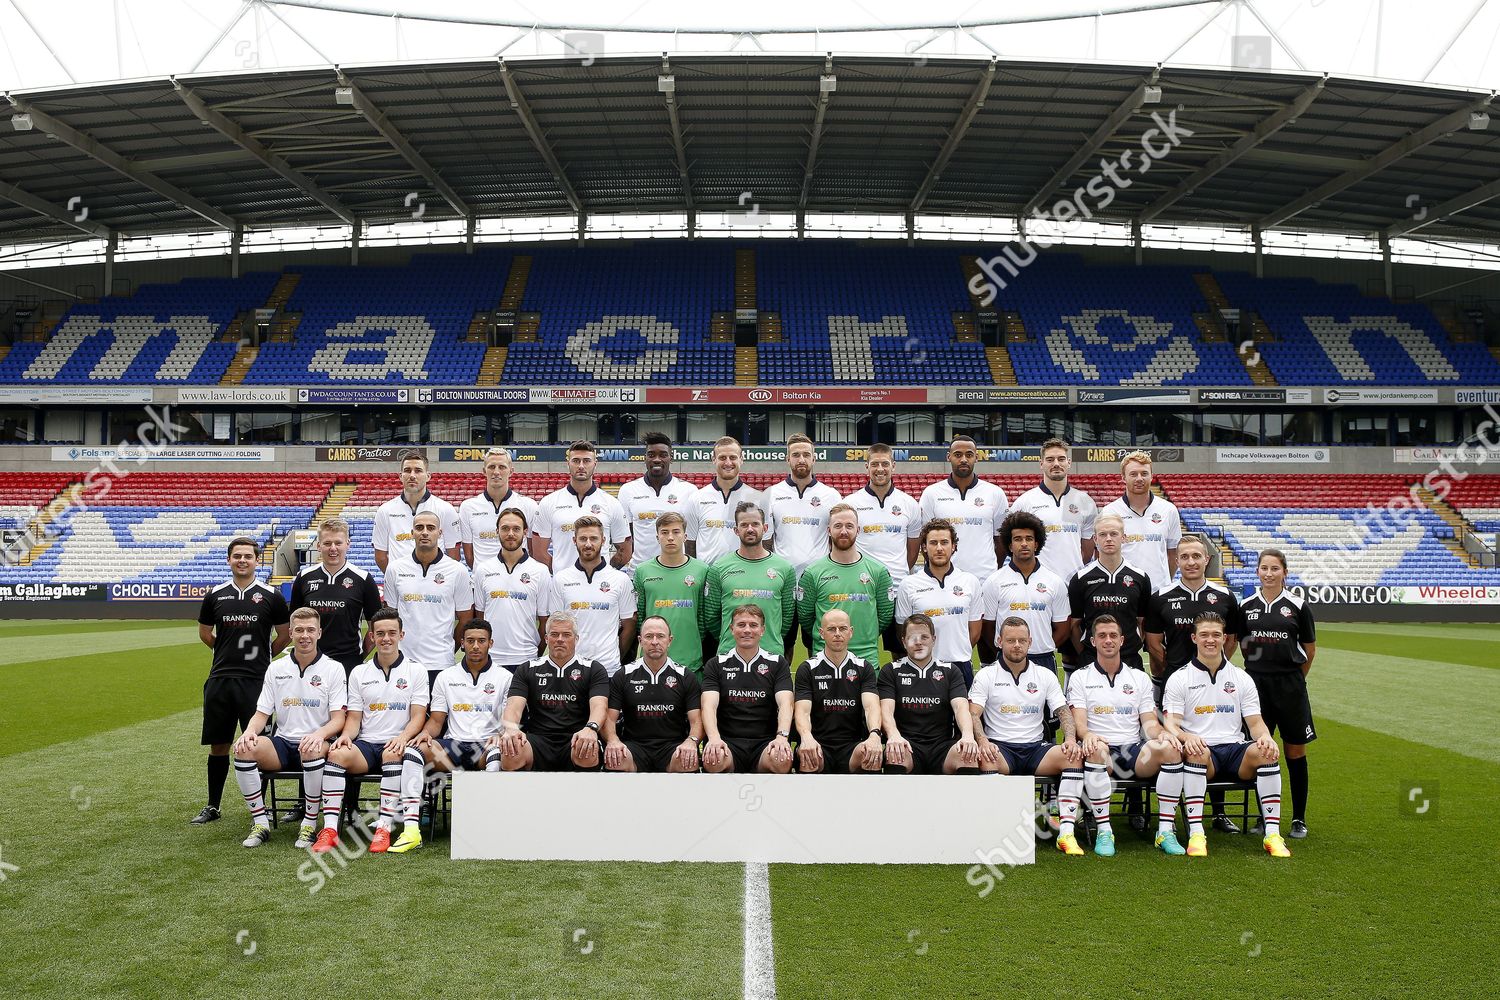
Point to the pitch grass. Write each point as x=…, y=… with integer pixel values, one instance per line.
x=116, y=895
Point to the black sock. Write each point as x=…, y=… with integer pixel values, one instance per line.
x=1216, y=796
x=218, y=773
x=1296, y=769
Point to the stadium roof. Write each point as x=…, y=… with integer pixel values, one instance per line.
x=505, y=137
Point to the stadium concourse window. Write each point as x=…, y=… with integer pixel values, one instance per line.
x=985, y=427
x=192, y=426
x=585, y=425
x=757, y=427
x=1364, y=427
x=842, y=426
x=1031, y=428
x=61, y=426
x=457, y=427
x=15, y=427
x=1155, y=428
x=527, y=427
x=907, y=427
x=1415, y=428
x=329, y=427
x=1231, y=428
x=1102, y=426
x=1294, y=429
x=705, y=427
x=401, y=426
x=263, y=426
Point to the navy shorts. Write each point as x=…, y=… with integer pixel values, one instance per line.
x=287, y=753
x=465, y=755
x=373, y=752
x=1227, y=758
x=1023, y=758
x=1122, y=759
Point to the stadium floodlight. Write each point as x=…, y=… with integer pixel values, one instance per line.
x=1150, y=95
x=1478, y=121
x=666, y=84
x=343, y=95
x=21, y=123
x=827, y=83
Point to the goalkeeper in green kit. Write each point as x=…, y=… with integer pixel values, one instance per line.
x=750, y=575
x=671, y=587
x=847, y=580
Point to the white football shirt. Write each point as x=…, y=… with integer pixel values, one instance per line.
x=301, y=698
x=798, y=520
x=885, y=526
x=1114, y=707
x=976, y=513
x=643, y=505
x=385, y=697
x=479, y=516
x=712, y=526
x=392, y=532
x=474, y=705
x=1041, y=599
x=1015, y=707
x=429, y=599
x=1213, y=708
x=1069, y=520
x=558, y=510
x=599, y=601
x=511, y=600
x=1148, y=536
x=952, y=603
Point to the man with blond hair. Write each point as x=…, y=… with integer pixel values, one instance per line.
x=479, y=515
x=712, y=526
x=1152, y=525
x=340, y=592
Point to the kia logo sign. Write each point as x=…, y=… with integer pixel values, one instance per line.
x=760, y=395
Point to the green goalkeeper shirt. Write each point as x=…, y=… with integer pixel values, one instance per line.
x=676, y=594
x=769, y=582
x=861, y=589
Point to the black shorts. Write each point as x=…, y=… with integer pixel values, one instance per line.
x=653, y=757
x=1284, y=706
x=928, y=757
x=347, y=660
x=747, y=752
x=556, y=754
x=836, y=756
x=228, y=704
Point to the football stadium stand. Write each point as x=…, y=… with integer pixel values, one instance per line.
x=827, y=314
x=173, y=527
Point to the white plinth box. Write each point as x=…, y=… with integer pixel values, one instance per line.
x=774, y=818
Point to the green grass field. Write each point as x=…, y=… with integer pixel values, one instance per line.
x=107, y=891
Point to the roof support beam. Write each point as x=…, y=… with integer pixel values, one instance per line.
x=382, y=124
x=1413, y=142
x=668, y=87
x=237, y=135
x=1264, y=129
x=13, y=194
x=539, y=140
x=91, y=147
x=955, y=136
x=825, y=94
x=1094, y=143
x=1439, y=212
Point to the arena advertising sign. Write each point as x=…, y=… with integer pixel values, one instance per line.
x=1113, y=456
x=159, y=591
x=364, y=453
x=601, y=394
x=174, y=453
x=1372, y=594
x=1271, y=456
x=352, y=396
x=26, y=593
x=1476, y=397
x=1380, y=395
x=1419, y=456
x=234, y=394
x=1295, y=397
x=1135, y=397
x=1017, y=395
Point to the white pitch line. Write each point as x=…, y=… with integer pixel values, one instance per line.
x=760, y=957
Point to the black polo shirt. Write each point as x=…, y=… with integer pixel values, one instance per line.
x=838, y=713
x=654, y=709
x=243, y=622
x=341, y=600
x=924, y=698
x=1124, y=593
x=1172, y=610
x=747, y=693
x=1274, y=633
x=557, y=698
